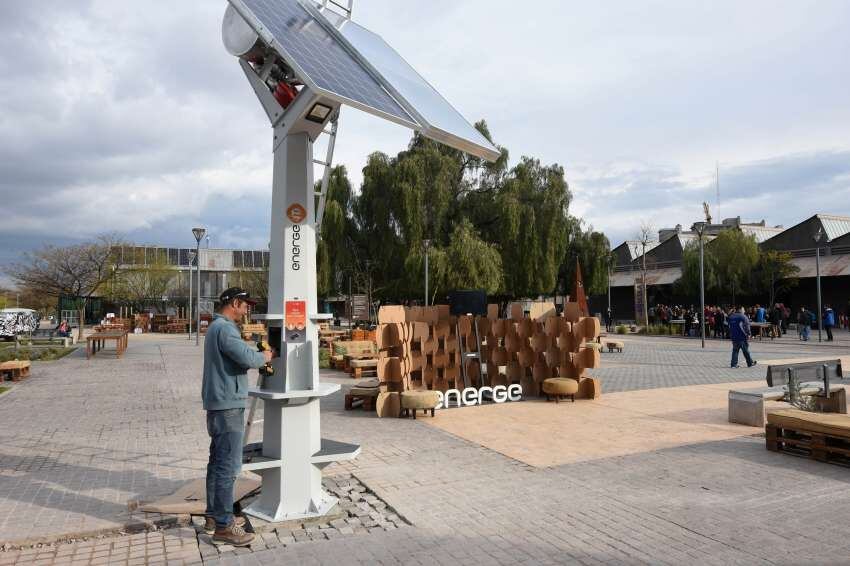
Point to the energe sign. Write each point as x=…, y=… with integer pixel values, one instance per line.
x=473, y=396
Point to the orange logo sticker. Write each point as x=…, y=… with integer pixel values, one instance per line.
x=296, y=213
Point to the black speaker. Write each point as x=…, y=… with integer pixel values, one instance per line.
x=471, y=301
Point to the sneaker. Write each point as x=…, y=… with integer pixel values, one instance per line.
x=232, y=534
x=734, y=367
x=755, y=363
x=209, y=524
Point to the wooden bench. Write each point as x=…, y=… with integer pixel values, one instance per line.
x=746, y=406
x=16, y=370
x=359, y=368
x=613, y=345
x=364, y=395
x=96, y=341
x=823, y=437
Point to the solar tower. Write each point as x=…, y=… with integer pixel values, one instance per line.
x=304, y=61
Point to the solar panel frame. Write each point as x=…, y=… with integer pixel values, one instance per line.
x=470, y=141
x=388, y=108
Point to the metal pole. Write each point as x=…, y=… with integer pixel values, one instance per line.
x=643, y=284
x=701, y=293
x=191, y=275
x=350, y=304
x=426, y=276
x=198, y=304
x=820, y=311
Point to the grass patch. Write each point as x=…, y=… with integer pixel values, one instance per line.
x=35, y=354
x=3, y=390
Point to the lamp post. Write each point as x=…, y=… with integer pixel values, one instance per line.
x=699, y=228
x=191, y=275
x=199, y=235
x=427, y=244
x=819, y=237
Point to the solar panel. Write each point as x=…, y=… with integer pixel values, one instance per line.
x=439, y=119
x=318, y=58
x=348, y=63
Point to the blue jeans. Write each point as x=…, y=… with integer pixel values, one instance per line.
x=226, y=429
x=744, y=347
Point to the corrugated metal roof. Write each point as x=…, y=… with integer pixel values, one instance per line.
x=633, y=245
x=664, y=276
x=835, y=226
x=762, y=233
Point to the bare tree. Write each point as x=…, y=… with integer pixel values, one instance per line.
x=78, y=271
x=644, y=237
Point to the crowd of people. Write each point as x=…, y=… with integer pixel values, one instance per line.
x=716, y=318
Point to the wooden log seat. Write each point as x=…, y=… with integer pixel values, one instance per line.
x=613, y=345
x=820, y=436
x=412, y=401
x=559, y=387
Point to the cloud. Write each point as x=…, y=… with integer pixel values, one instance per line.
x=782, y=191
x=131, y=117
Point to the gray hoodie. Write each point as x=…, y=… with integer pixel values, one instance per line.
x=227, y=357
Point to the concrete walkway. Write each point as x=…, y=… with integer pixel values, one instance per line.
x=80, y=439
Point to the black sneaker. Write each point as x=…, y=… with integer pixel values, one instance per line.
x=755, y=363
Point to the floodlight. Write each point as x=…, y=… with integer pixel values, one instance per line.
x=319, y=113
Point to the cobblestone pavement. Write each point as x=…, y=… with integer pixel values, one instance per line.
x=80, y=439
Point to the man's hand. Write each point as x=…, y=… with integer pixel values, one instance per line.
x=268, y=355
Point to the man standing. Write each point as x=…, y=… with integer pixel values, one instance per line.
x=739, y=332
x=227, y=357
x=828, y=322
x=804, y=323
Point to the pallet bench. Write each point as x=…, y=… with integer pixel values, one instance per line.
x=362, y=396
x=821, y=436
x=16, y=370
x=361, y=368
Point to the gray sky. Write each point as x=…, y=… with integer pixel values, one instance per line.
x=131, y=117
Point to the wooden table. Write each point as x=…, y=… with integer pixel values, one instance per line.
x=96, y=341
x=15, y=369
x=764, y=329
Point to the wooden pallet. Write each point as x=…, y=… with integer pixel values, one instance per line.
x=815, y=445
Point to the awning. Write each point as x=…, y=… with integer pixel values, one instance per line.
x=665, y=276
x=830, y=266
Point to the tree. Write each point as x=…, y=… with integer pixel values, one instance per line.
x=472, y=263
x=735, y=256
x=335, y=251
x=688, y=284
x=136, y=284
x=593, y=252
x=78, y=270
x=775, y=273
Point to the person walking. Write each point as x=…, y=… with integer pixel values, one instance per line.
x=227, y=357
x=828, y=322
x=804, y=324
x=609, y=319
x=739, y=332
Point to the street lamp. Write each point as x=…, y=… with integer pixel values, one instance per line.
x=819, y=237
x=427, y=244
x=699, y=228
x=191, y=275
x=199, y=235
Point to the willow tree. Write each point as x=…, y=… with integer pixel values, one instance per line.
x=593, y=252
x=335, y=250
x=735, y=256
x=532, y=232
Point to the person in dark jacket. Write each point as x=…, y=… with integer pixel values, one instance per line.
x=227, y=358
x=739, y=332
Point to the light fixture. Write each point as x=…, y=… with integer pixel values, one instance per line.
x=199, y=233
x=319, y=113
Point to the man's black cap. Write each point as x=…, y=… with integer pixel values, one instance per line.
x=236, y=293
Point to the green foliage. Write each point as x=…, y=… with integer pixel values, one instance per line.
x=324, y=358
x=135, y=284
x=775, y=274
x=3, y=390
x=488, y=227
x=688, y=284
x=735, y=255
x=594, y=255
x=35, y=354
x=621, y=329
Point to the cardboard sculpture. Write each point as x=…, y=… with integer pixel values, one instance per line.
x=426, y=348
